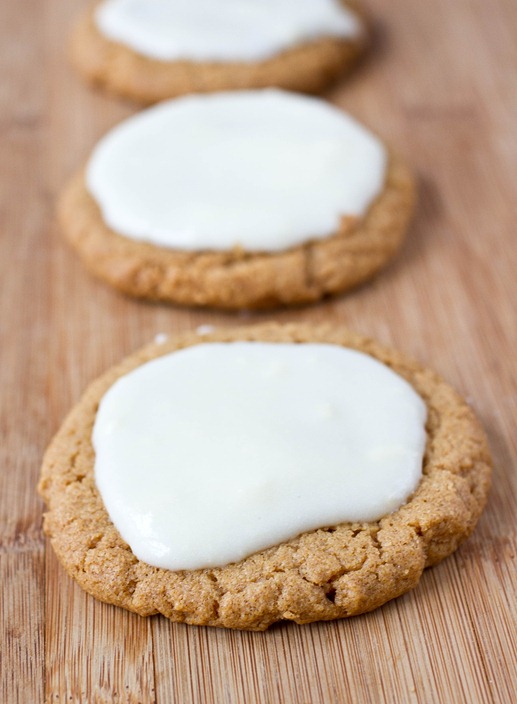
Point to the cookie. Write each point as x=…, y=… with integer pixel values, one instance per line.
x=250, y=199
x=152, y=50
x=331, y=572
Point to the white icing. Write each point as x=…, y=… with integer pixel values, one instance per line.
x=263, y=170
x=211, y=453
x=222, y=30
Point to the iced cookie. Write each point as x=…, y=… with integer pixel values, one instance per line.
x=263, y=474
x=248, y=199
x=151, y=50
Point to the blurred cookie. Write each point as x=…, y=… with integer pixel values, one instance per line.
x=249, y=199
x=151, y=50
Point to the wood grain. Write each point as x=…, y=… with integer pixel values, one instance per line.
x=440, y=87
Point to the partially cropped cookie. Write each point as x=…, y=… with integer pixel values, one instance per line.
x=151, y=50
x=248, y=199
x=270, y=473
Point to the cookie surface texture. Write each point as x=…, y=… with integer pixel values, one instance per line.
x=147, y=74
x=324, y=574
x=250, y=199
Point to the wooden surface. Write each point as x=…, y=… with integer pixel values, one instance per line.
x=440, y=86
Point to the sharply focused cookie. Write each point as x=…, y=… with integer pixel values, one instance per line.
x=247, y=199
x=151, y=50
x=263, y=474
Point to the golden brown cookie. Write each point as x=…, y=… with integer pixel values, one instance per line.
x=238, y=279
x=325, y=574
x=307, y=68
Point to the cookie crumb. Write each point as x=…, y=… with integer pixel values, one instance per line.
x=205, y=329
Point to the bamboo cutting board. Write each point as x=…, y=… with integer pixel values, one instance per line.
x=440, y=87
